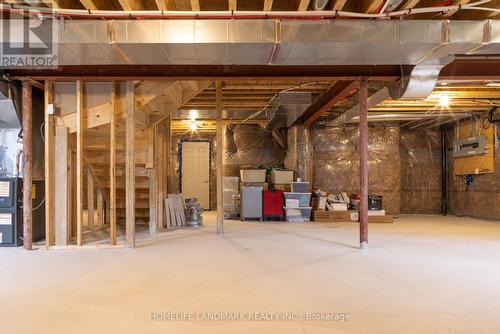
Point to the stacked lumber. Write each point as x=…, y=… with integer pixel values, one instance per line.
x=175, y=211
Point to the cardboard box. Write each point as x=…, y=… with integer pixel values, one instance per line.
x=376, y=212
x=254, y=184
x=319, y=203
x=339, y=206
x=253, y=175
x=388, y=219
x=281, y=176
x=332, y=216
x=285, y=187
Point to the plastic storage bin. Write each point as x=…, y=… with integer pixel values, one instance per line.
x=300, y=187
x=304, y=198
x=299, y=214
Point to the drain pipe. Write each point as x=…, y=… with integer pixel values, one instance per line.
x=444, y=174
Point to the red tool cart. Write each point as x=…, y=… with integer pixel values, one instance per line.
x=273, y=204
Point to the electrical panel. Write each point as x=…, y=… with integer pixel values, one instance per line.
x=469, y=146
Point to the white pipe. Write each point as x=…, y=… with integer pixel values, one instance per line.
x=322, y=14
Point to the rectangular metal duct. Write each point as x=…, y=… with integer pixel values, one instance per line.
x=269, y=41
x=287, y=107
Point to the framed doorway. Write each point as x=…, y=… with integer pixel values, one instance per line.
x=194, y=170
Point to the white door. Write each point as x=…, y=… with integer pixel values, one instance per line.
x=195, y=172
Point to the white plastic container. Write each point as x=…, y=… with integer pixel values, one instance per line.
x=298, y=214
x=300, y=187
x=304, y=198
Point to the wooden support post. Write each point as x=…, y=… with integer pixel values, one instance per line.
x=79, y=162
x=112, y=166
x=363, y=163
x=218, y=159
x=27, y=164
x=165, y=154
x=49, y=164
x=90, y=200
x=130, y=164
x=100, y=209
x=160, y=189
x=153, y=227
x=62, y=179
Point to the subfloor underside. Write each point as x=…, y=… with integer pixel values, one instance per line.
x=422, y=274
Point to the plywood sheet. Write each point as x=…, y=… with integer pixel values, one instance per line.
x=479, y=164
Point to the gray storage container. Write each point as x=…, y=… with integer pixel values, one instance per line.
x=251, y=203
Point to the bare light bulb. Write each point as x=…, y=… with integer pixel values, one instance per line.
x=444, y=101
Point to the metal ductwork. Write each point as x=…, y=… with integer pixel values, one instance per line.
x=420, y=82
x=270, y=41
x=10, y=127
x=374, y=99
x=286, y=108
x=320, y=4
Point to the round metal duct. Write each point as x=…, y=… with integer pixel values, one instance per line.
x=320, y=4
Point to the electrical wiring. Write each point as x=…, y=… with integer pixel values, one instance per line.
x=257, y=113
x=321, y=14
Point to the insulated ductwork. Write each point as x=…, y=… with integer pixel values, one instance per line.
x=420, y=81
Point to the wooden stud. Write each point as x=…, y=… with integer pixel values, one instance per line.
x=160, y=191
x=49, y=165
x=130, y=164
x=153, y=226
x=232, y=5
x=150, y=153
x=90, y=200
x=218, y=160
x=79, y=162
x=112, y=165
x=268, y=5
x=27, y=113
x=164, y=4
x=62, y=179
x=130, y=5
x=338, y=4
x=100, y=211
x=195, y=5
x=303, y=5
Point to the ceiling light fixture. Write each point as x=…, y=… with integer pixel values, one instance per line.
x=193, y=126
x=444, y=100
x=193, y=115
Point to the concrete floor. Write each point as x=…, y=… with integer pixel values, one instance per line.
x=422, y=274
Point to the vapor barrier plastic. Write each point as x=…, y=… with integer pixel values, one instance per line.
x=420, y=171
x=300, y=152
x=336, y=161
x=251, y=145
